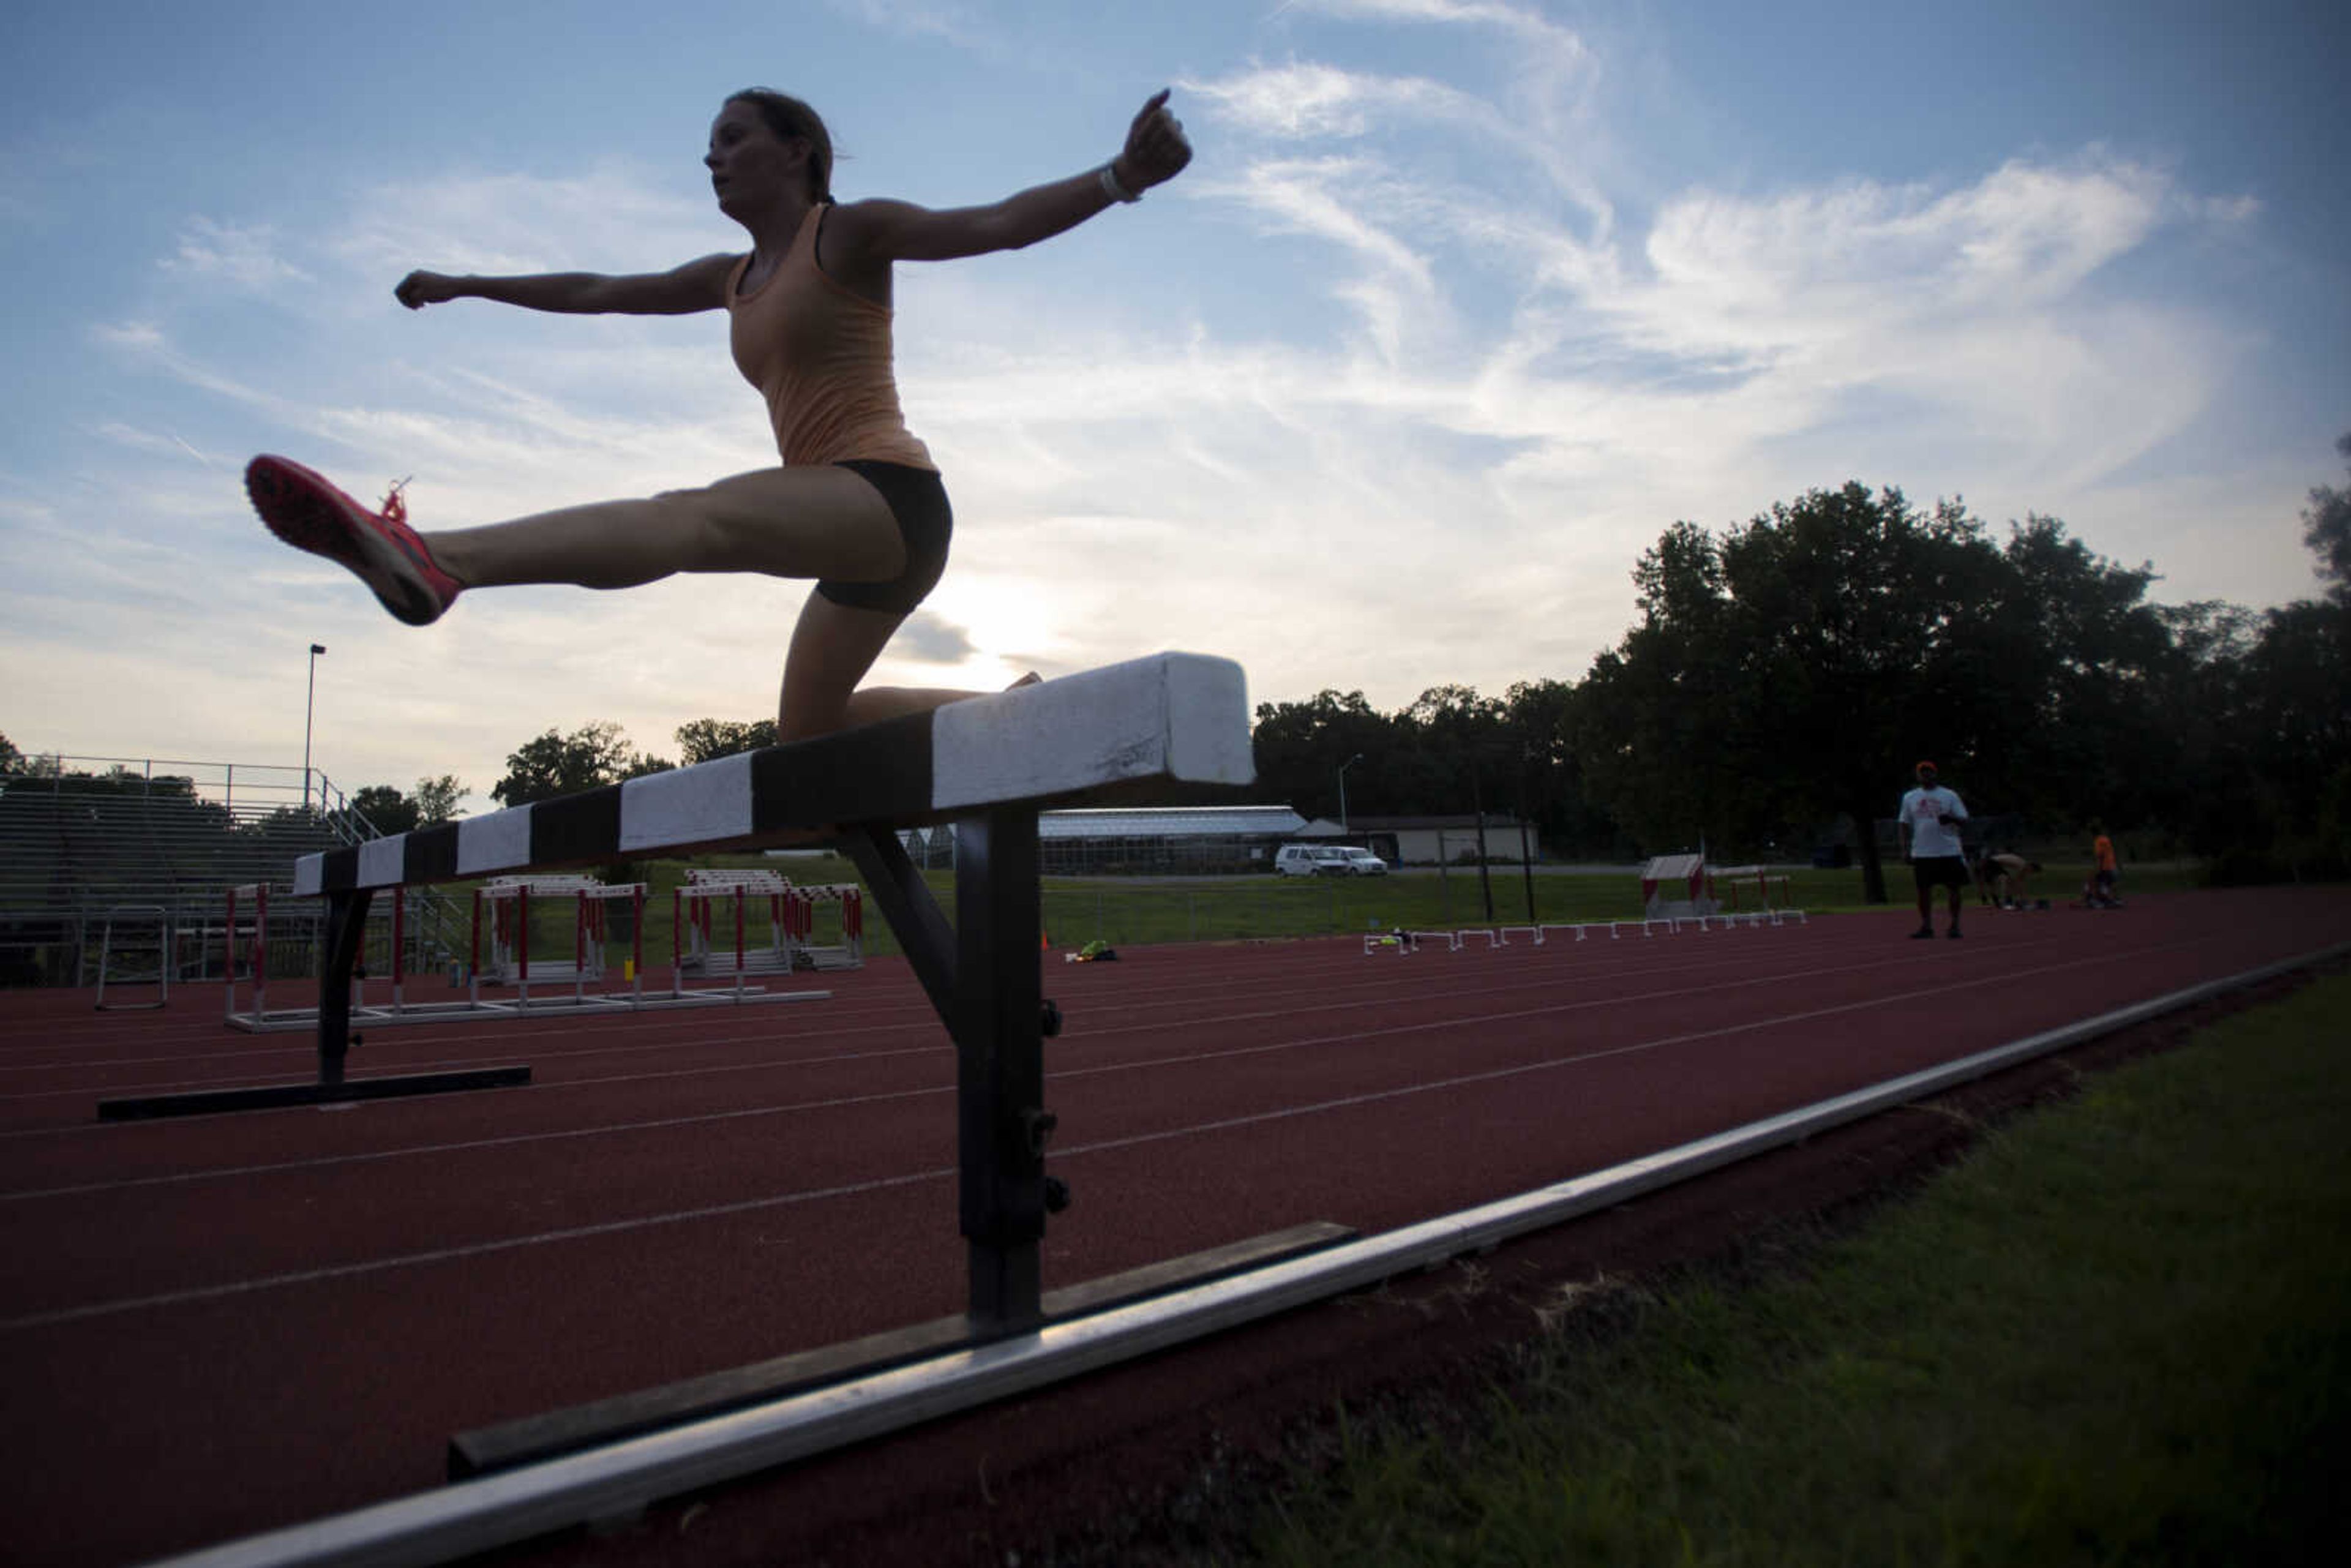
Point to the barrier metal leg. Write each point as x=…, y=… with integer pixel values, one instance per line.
x=346, y=929
x=1000, y=1065
x=982, y=977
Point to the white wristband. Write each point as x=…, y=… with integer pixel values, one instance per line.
x=1113, y=190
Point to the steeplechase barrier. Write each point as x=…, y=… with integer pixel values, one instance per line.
x=988, y=765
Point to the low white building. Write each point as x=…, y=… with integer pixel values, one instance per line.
x=1435, y=840
x=1146, y=840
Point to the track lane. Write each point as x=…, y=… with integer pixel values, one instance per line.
x=1193, y=1112
x=491, y=1191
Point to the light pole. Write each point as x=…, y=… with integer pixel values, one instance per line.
x=1526, y=858
x=310, y=700
x=1343, y=790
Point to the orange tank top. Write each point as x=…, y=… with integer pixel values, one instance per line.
x=821, y=355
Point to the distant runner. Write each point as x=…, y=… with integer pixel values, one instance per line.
x=1929, y=819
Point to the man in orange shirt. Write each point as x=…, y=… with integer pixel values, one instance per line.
x=2103, y=872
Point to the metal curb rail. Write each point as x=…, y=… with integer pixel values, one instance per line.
x=616, y=1482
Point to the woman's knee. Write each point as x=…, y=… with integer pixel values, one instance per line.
x=807, y=718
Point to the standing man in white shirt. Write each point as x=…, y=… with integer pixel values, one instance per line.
x=1929, y=819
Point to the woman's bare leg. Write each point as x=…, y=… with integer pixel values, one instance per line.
x=813, y=521
x=833, y=648
x=874, y=703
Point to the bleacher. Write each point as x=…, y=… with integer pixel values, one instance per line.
x=83, y=838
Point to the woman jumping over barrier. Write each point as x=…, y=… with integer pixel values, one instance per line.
x=858, y=504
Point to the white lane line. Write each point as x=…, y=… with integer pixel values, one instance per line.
x=847, y=1102
x=450, y=1254
x=312, y=1276
x=1286, y=985
x=1497, y=1074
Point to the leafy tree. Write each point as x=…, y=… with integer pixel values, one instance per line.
x=2079, y=660
x=1455, y=747
x=1650, y=711
x=1300, y=746
x=1787, y=672
x=554, y=764
x=12, y=761
x=1793, y=670
x=2290, y=807
x=2298, y=728
x=2327, y=529
x=386, y=810
x=1449, y=751
x=435, y=801
x=707, y=739
x=2315, y=647
x=1538, y=718
x=2209, y=793
x=433, y=804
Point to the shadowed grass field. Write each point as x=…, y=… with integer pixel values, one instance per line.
x=2116, y=1332
x=1137, y=912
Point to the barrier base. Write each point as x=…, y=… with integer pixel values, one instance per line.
x=286, y=1020
x=536, y=1437
x=206, y=1102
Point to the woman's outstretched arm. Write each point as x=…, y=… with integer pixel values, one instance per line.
x=699, y=284
x=867, y=234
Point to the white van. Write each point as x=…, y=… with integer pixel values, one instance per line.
x=1298, y=860
x=1327, y=860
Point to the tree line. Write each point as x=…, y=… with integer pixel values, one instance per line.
x=1782, y=677
x=554, y=764
x=1785, y=675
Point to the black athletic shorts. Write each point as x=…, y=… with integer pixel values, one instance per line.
x=1940, y=870
x=918, y=499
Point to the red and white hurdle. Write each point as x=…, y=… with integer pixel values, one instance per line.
x=790, y=943
x=501, y=914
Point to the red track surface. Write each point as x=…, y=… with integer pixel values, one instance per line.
x=219, y=1325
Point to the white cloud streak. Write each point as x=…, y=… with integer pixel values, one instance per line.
x=242, y=257
x=1520, y=398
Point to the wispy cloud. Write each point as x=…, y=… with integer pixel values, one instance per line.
x=1524, y=24
x=913, y=18
x=242, y=257
x=165, y=443
x=1732, y=324
x=1479, y=377
x=1452, y=470
x=1311, y=100
x=611, y=218
x=152, y=347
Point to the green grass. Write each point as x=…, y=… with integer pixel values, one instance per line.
x=2117, y=1333
x=1138, y=913
x=1078, y=910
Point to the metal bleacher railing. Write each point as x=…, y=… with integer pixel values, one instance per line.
x=83, y=836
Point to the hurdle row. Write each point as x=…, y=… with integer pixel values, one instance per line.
x=791, y=923
x=563, y=986
x=1586, y=931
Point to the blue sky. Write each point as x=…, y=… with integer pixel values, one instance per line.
x=1461, y=303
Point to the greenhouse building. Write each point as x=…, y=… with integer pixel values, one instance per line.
x=1149, y=840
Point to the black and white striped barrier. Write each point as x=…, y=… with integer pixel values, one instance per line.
x=988, y=765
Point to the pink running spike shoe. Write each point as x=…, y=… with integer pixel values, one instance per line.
x=309, y=513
